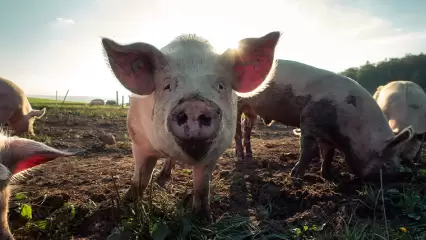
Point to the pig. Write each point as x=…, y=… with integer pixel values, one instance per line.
x=18, y=155
x=184, y=102
x=16, y=110
x=250, y=115
x=334, y=112
x=404, y=104
x=248, y=122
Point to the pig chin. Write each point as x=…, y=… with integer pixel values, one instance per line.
x=194, y=124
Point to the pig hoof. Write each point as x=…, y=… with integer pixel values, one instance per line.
x=297, y=182
x=294, y=173
x=326, y=175
x=240, y=157
x=131, y=195
x=204, y=215
x=248, y=157
x=162, y=178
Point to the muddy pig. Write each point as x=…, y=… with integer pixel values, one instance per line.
x=334, y=111
x=250, y=115
x=17, y=155
x=184, y=102
x=15, y=109
x=404, y=104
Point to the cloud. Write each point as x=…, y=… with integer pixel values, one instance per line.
x=65, y=20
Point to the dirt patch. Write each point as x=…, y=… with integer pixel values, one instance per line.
x=79, y=193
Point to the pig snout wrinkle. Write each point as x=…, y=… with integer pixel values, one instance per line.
x=194, y=124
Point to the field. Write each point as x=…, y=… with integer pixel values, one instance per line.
x=79, y=197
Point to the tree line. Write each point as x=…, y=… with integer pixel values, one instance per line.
x=370, y=76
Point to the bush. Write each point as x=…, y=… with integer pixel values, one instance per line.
x=111, y=102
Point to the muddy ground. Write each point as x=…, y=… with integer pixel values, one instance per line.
x=76, y=194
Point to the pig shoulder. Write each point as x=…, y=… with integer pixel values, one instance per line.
x=12, y=99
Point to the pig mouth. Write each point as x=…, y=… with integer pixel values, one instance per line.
x=195, y=148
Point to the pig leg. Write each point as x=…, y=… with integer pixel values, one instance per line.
x=417, y=158
x=201, y=201
x=166, y=171
x=327, y=152
x=5, y=115
x=317, y=151
x=248, y=127
x=310, y=124
x=239, y=151
x=308, y=144
x=144, y=166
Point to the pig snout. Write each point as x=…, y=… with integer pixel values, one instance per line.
x=194, y=124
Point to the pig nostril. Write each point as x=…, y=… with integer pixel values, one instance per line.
x=181, y=118
x=204, y=120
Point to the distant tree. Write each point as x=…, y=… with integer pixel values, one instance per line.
x=351, y=73
x=111, y=102
x=370, y=76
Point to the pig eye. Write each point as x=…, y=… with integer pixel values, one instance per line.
x=220, y=87
x=167, y=87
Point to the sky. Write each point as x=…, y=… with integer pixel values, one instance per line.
x=55, y=45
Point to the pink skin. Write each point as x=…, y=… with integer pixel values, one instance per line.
x=17, y=155
x=188, y=109
x=194, y=119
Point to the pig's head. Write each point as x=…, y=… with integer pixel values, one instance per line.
x=25, y=124
x=193, y=87
x=388, y=159
x=409, y=149
x=17, y=155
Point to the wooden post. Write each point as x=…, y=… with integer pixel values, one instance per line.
x=122, y=101
x=116, y=97
x=65, y=97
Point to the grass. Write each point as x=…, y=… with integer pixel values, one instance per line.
x=77, y=109
x=377, y=212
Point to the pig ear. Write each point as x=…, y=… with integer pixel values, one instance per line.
x=378, y=90
x=134, y=64
x=5, y=176
x=252, y=61
x=21, y=154
x=405, y=135
x=38, y=113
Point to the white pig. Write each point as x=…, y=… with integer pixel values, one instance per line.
x=17, y=155
x=404, y=104
x=15, y=109
x=185, y=102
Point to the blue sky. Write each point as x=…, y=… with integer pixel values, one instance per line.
x=49, y=45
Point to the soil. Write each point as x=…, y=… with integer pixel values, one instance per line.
x=256, y=187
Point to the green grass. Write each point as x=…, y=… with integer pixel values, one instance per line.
x=76, y=109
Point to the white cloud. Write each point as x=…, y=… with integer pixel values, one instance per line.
x=65, y=20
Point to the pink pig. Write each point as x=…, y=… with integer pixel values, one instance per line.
x=184, y=105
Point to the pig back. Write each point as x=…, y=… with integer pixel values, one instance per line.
x=11, y=97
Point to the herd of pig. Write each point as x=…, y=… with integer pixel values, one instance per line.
x=185, y=108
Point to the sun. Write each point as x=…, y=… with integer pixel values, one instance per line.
x=221, y=45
